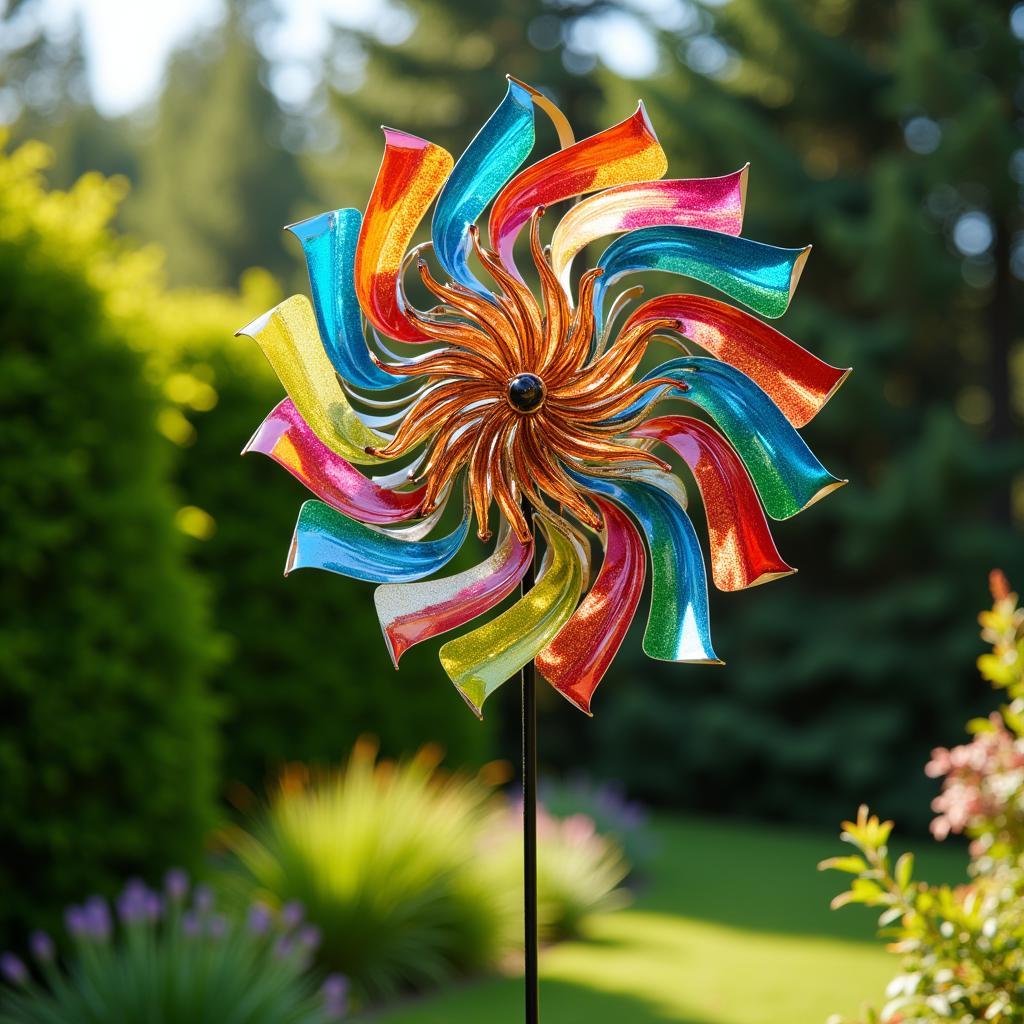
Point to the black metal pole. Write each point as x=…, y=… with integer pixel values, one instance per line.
x=529, y=689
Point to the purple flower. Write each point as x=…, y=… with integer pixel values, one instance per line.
x=217, y=926
x=131, y=903
x=203, y=898
x=190, y=924
x=608, y=797
x=75, y=922
x=633, y=816
x=42, y=946
x=97, y=918
x=176, y=884
x=284, y=947
x=13, y=969
x=152, y=906
x=292, y=914
x=309, y=937
x=259, y=919
x=335, y=996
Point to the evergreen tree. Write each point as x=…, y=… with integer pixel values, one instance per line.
x=887, y=135
x=443, y=80
x=45, y=81
x=216, y=184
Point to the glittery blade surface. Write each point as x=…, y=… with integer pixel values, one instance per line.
x=285, y=437
x=679, y=626
x=410, y=613
x=715, y=204
x=742, y=550
x=494, y=155
x=760, y=276
x=290, y=340
x=578, y=657
x=329, y=245
x=628, y=152
x=798, y=382
x=325, y=539
x=786, y=473
x=410, y=177
x=479, y=662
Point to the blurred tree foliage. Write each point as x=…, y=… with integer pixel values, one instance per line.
x=216, y=184
x=882, y=133
x=107, y=733
x=214, y=180
x=444, y=79
x=45, y=81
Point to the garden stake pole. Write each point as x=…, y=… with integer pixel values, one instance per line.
x=528, y=679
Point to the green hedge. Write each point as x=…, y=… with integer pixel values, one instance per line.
x=107, y=735
x=302, y=668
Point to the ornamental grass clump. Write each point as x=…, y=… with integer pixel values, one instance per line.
x=962, y=947
x=383, y=856
x=414, y=875
x=172, y=957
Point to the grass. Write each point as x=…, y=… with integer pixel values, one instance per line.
x=734, y=928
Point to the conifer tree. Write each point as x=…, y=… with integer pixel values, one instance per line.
x=216, y=184
x=890, y=136
x=46, y=97
x=444, y=78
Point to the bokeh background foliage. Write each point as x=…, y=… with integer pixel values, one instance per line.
x=142, y=558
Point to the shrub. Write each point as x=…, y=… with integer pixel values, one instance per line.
x=171, y=959
x=615, y=816
x=962, y=948
x=983, y=781
x=383, y=858
x=106, y=730
x=579, y=872
x=415, y=875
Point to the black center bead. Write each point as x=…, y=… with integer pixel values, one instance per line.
x=526, y=392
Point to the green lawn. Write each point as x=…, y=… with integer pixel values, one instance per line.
x=734, y=928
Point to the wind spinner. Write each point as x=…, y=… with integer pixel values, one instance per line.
x=526, y=404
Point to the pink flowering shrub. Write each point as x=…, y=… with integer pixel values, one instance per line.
x=983, y=781
x=962, y=947
x=983, y=789
x=580, y=872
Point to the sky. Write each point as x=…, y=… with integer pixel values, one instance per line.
x=127, y=42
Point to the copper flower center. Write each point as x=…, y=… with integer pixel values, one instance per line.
x=525, y=392
x=522, y=394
